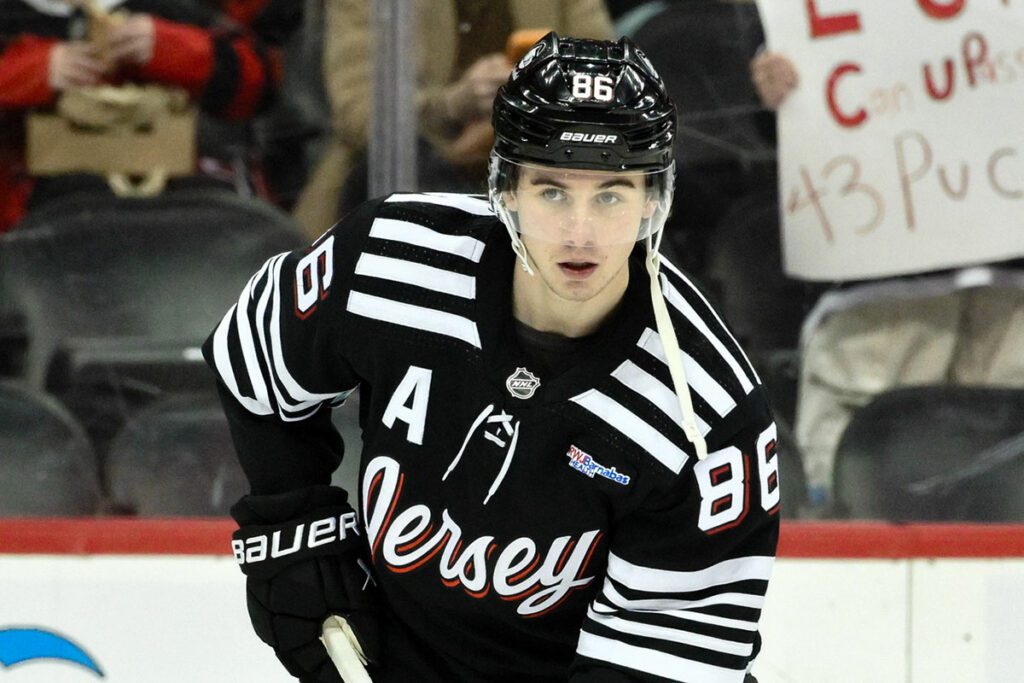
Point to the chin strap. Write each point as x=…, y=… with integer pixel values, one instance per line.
x=520, y=249
x=673, y=355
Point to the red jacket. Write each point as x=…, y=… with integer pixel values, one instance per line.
x=228, y=59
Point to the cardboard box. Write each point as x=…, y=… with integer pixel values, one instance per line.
x=55, y=145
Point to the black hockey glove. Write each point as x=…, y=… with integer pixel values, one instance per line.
x=303, y=555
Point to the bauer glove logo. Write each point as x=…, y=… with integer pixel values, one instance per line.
x=257, y=544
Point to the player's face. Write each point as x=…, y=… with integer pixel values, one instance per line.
x=579, y=227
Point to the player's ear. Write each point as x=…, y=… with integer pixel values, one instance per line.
x=650, y=206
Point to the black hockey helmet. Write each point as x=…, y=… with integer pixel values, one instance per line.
x=585, y=104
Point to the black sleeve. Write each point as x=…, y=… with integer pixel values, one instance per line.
x=280, y=456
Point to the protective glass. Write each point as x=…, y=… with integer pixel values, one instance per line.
x=580, y=207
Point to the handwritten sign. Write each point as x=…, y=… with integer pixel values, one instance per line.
x=902, y=149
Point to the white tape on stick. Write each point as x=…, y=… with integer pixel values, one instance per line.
x=344, y=650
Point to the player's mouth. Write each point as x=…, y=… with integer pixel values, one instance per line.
x=577, y=270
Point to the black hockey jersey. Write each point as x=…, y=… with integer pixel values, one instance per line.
x=522, y=527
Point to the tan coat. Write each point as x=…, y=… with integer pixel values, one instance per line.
x=347, y=66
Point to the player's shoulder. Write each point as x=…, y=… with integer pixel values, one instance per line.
x=704, y=336
x=411, y=263
x=686, y=296
x=415, y=213
x=446, y=203
x=430, y=226
x=445, y=213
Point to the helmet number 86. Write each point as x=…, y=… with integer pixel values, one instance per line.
x=590, y=87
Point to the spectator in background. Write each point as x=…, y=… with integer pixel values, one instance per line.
x=461, y=54
x=620, y=8
x=722, y=226
x=774, y=76
x=224, y=53
x=961, y=327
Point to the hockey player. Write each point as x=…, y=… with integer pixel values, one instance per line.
x=569, y=468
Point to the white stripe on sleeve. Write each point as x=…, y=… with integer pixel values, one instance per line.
x=665, y=604
x=636, y=577
x=698, y=378
x=222, y=360
x=422, y=236
x=418, y=274
x=673, y=296
x=467, y=203
x=711, y=308
x=675, y=635
x=416, y=317
x=654, y=390
x=246, y=341
x=654, y=662
x=690, y=615
x=307, y=399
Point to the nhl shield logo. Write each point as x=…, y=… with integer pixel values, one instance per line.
x=522, y=383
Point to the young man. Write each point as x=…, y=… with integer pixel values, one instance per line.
x=553, y=487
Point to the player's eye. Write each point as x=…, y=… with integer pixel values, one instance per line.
x=608, y=198
x=553, y=194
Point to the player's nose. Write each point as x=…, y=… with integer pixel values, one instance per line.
x=579, y=227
